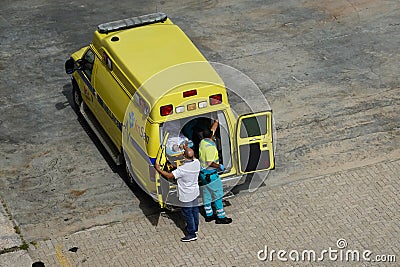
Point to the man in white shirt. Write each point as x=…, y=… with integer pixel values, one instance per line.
x=188, y=190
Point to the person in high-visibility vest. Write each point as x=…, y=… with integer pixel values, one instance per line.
x=210, y=180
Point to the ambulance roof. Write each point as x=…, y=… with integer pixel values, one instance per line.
x=144, y=51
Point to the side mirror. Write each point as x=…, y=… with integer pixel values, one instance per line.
x=69, y=66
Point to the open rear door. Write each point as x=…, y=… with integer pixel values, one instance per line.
x=162, y=185
x=254, y=142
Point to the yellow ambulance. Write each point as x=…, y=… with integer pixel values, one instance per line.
x=144, y=89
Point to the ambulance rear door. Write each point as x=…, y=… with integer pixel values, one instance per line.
x=254, y=142
x=162, y=185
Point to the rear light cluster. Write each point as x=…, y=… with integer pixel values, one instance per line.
x=215, y=99
x=169, y=109
x=166, y=110
x=191, y=106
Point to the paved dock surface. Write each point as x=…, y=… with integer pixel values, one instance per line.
x=359, y=207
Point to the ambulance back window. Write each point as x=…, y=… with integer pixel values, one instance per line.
x=253, y=126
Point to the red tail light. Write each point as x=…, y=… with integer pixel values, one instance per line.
x=190, y=93
x=166, y=110
x=215, y=99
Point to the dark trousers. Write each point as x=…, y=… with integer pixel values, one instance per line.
x=190, y=211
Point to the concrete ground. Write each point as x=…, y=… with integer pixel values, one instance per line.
x=330, y=71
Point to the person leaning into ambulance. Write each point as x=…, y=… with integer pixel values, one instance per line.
x=188, y=190
x=210, y=180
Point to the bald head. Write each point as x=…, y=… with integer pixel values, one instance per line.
x=189, y=153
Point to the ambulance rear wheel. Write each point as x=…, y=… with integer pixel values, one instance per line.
x=77, y=97
x=128, y=168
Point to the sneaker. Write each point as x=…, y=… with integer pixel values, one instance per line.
x=209, y=218
x=225, y=220
x=188, y=238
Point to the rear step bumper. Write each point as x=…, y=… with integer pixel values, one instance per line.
x=101, y=135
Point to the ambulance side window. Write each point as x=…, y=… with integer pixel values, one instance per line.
x=87, y=61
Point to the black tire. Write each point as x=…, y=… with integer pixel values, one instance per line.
x=76, y=96
x=128, y=169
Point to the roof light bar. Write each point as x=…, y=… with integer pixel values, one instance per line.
x=131, y=22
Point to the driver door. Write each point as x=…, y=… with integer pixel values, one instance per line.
x=85, y=82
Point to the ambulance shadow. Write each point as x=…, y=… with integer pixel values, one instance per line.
x=251, y=182
x=149, y=207
x=67, y=92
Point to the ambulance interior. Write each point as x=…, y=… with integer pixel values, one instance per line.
x=191, y=130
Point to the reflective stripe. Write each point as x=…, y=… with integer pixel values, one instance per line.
x=208, y=209
x=220, y=213
x=140, y=150
x=86, y=82
x=101, y=102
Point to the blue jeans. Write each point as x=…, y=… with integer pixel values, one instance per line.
x=190, y=211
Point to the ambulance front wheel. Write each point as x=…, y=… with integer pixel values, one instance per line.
x=77, y=97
